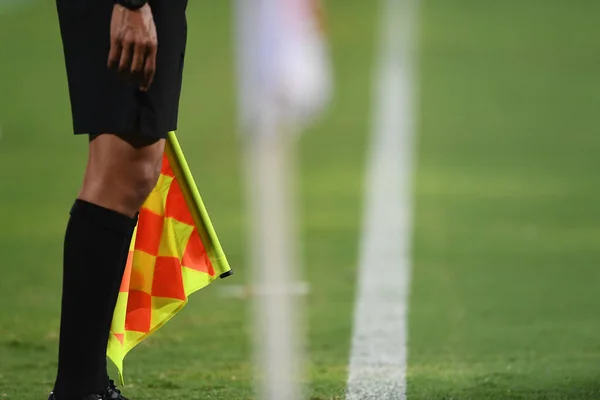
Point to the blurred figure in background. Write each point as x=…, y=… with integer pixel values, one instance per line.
x=285, y=83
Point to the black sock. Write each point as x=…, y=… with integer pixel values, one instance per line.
x=114, y=296
x=95, y=252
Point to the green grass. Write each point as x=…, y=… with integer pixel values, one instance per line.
x=504, y=301
x=504, y=296
x=204, y=353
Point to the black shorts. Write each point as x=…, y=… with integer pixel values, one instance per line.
x=103, y=102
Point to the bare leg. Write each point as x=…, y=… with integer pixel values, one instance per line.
x=120, y=175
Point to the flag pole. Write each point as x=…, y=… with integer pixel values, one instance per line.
x=195, y=203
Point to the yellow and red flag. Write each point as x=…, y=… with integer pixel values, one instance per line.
x=174, y=253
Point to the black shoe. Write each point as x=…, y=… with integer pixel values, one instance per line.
x=112, y=393
x=89, y=397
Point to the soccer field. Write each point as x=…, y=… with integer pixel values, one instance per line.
x=504, y=299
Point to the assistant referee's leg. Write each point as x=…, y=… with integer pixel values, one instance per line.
x=120, y=174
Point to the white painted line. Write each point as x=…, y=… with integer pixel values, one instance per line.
x=379, y=352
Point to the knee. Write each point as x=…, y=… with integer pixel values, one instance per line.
x=123, y=189
x=121, y=173
x=141, y=181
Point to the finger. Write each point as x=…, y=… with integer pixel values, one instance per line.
x=114, y=54
x=126, y=55
x=149, y=68
x=139, y=56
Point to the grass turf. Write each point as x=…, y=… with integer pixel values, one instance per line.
x=503, y=303
x=204, y=353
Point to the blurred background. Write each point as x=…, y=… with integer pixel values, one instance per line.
x=505, y=276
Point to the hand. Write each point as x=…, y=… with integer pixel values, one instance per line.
x=133, y=44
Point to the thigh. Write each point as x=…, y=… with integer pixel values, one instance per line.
x=122, y=153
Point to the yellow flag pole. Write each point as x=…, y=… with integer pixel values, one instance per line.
x=194, y=201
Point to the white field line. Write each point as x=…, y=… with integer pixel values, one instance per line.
x=379, y=352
